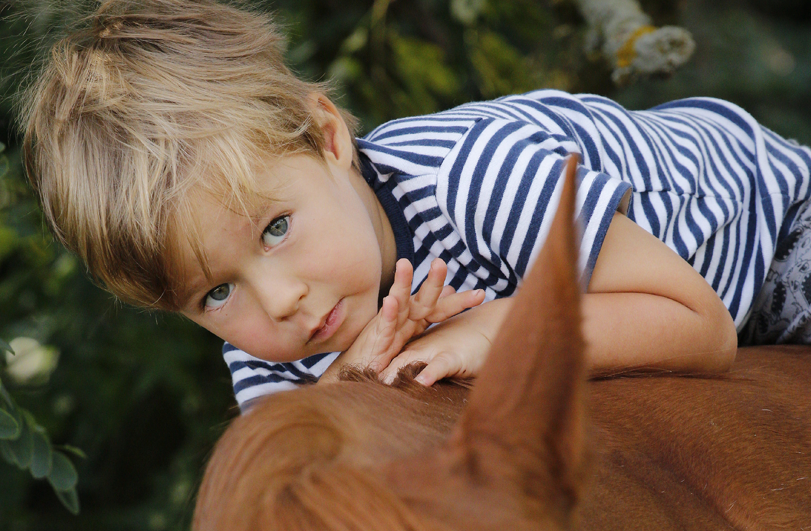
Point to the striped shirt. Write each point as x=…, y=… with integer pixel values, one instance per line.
x=478, y=186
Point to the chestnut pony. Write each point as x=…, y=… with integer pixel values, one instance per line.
x=523, y=449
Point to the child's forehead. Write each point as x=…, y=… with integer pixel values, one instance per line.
x=267, y=183
x=251, y=190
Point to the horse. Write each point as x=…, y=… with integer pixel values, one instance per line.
x=533, y=444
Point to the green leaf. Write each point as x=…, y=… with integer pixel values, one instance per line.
x=70, y=499
x=9, y=427
x=7, y=398
x=42, y=460
x=73, y=450
x=4, y=451
x=63, y=475
x=5, y=347
x=22, y=448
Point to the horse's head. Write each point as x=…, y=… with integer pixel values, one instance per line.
x=360, y=455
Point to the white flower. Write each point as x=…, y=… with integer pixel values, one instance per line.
x=32, y=361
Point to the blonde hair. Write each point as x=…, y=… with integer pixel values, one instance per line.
x=148, y=101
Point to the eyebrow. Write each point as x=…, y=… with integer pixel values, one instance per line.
x=190, y=291
x=187, y=297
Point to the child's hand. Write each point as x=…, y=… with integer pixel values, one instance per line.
x=403, y=316
x=455, y=347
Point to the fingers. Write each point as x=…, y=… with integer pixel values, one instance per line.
x=404, y=358
x=454, y=303
x=447, y=290
x=432, y=288
x=401, y=288
x=434, y=301
x=387, y=316
x=381, y=342
x=443, y=365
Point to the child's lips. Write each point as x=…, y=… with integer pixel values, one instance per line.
x=331, y=322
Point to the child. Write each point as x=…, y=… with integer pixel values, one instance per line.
x=177, y=155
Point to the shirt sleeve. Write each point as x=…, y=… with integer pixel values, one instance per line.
x=253, y=377
x=500, y=187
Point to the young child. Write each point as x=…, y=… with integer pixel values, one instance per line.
x=177, y=155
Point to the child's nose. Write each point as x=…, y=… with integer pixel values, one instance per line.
x=280, y=298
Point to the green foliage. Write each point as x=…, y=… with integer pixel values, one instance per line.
x=397, y=59
x=501, y=67
x=24, y=443
x=9, y=427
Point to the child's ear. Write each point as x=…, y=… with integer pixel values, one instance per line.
x=338, y=144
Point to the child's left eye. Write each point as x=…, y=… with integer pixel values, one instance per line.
x=276, y=231
x=218, y=296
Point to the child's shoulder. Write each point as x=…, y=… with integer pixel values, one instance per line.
x=452, y=124
x=421, y=145
x=445, y=124
x=417, y=145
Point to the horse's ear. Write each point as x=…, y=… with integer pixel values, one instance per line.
x=527, y=408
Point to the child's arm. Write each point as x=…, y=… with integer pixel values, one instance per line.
x=403, y=316
x=645, y=308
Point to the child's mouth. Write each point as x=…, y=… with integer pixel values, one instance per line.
x=331, y=323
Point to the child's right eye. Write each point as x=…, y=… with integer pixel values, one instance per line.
x=218, y=296
x=276, y=231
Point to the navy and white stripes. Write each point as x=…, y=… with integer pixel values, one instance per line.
x=478, y=186
x=253, y=377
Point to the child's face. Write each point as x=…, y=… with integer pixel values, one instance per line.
x=302, y=277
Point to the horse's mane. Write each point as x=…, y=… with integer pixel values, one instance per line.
x=311, y=470
x=406, y=380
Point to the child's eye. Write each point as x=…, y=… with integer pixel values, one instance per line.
x=218, y=296
x=276, y=230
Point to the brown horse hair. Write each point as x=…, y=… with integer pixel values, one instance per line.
x=310, y=486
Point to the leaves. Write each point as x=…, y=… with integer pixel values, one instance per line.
x=41, y=464
x=5, y=347
x=21, y=448
x=70, y=499
x=9, y=427
x=73, y=450
x=25, y=443
x=501, y=68
x=63, y=475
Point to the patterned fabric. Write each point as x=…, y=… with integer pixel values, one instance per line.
x=478, y=185
x=782, y=311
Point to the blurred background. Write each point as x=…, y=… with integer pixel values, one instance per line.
x=145, y=395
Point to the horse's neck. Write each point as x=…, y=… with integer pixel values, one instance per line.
x=381, y=423
x=735, y=443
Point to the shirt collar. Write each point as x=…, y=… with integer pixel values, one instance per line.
x=383, y=190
